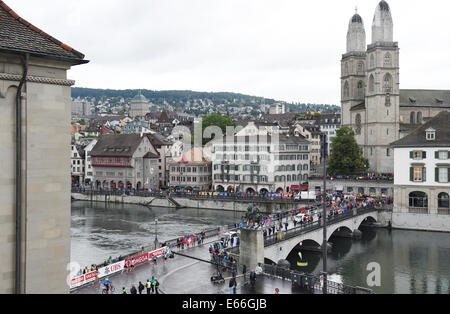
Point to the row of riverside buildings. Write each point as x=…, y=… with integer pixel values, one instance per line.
x=275, y=154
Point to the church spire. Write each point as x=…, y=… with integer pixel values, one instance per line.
x=383, y=26
x=356, y=35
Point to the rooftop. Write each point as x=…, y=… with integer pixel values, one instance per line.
x=19, y=36
x=120, y=145
x=417, y=138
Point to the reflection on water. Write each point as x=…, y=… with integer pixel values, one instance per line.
x=100, y=230
x=411, y=261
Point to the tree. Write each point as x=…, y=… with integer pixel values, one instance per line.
x=346, y=158
x=216, y=120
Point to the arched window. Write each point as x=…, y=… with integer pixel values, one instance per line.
x=419, y=118
x=358, y=124
x=387, y=83
x=371, y=84
x=443, y=200
x=305, y=167
x=360, y=67
x=412, y=118
x=387, y=59
x=305, y=177
x=289, y=178
x=418, y=200
x=360, y=89
x=346, y=90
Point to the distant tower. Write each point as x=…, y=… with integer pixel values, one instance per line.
x=353, y=67
x=139, y=106
x=381, y=126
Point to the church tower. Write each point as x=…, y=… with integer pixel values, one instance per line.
x=353, y=65
x=382, y=101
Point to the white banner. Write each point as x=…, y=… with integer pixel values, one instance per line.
x=111, y=269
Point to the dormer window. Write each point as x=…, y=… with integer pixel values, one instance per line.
x=430, y=134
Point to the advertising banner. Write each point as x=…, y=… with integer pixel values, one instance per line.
x=157, y=253
x=111, y=269
x=137, y=260
x=83, y=279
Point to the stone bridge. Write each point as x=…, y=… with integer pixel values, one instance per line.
x=275, y=249
x=254, y=248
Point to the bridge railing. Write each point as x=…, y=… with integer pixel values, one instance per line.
x=311, y=283
x=192, y=196
x=308, y=227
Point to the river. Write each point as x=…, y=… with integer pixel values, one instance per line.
x=100, y=230
x=410, y=262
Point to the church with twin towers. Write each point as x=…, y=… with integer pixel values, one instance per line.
x=371, y=99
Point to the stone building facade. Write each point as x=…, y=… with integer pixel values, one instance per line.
x=36, y=199
x=372, y=102
x=192, y=169
x=422, y=177
x=258, y=161
x=139, y=106
x=125, y=161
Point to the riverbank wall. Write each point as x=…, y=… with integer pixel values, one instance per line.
x=179, y=202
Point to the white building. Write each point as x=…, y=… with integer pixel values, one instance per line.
x=422, y=177
x=277, y=108
x=258, y=161
x=89, y=172
x=77, y=164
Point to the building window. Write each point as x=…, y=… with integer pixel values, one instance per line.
x=418, y=174
x=360, y=67
x=443, y=175
x=388, y=151
x=346, y=90
x=360, y=89
x=372, y=61
x=419, y=118
x=371, y=84
x=387, y=60
x=442, y=155
x=418, y=155
x=430, y=134
x=443, y=201
x=387, y=87
x=418, y=203
x=412, y=117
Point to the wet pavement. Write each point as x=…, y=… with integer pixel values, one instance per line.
x=183, y=275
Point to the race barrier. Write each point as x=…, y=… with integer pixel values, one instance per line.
x=84, y=279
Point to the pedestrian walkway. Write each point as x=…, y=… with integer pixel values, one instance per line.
x=183, y=275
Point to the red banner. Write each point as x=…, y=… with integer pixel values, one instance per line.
x=137, y=260
x=156, y=253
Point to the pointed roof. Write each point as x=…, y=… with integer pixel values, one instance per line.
x=20, y=36
x=164, y=117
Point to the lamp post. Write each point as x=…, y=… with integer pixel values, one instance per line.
x=324, y=198
x=156, y=234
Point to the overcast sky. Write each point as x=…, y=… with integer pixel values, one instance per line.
x=287, y=50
